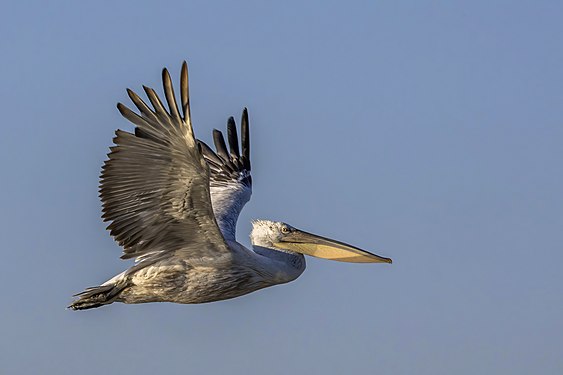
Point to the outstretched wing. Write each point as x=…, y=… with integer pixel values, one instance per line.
x=155, y=184
x=230, y=180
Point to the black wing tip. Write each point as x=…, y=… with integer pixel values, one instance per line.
x=229, y=163
x=220, y=145
x=245, y=139
x=244, y=117
x=244, y=122
x=122, y=108
x=233, y=138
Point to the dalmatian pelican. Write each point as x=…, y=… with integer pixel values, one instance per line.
x=173, y=203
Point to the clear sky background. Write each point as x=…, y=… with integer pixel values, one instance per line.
x=427, y=131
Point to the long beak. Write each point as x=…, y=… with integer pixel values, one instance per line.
x=321, y=247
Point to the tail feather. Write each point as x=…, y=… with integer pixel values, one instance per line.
x=96, y=296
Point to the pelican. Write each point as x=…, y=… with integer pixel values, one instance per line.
x=173, y=204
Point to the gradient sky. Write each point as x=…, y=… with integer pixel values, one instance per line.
x=427, y=131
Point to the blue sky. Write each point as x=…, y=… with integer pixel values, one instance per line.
x=430, y=132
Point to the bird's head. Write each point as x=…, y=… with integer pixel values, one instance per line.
x=283, y=237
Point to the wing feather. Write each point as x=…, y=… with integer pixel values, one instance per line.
x=221, y=146
x=245, y=140
x=233, y=139
x=155, y=184
x=230, y=180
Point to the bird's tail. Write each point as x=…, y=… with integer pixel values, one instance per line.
x=97, y=296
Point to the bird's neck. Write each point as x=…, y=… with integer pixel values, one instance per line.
x=284, y=266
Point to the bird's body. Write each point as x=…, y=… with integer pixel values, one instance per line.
x=182, y=281
x=173, y=204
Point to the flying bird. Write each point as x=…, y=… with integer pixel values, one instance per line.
x=173, y=203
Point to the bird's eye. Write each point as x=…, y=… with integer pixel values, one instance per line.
x=285, y=230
